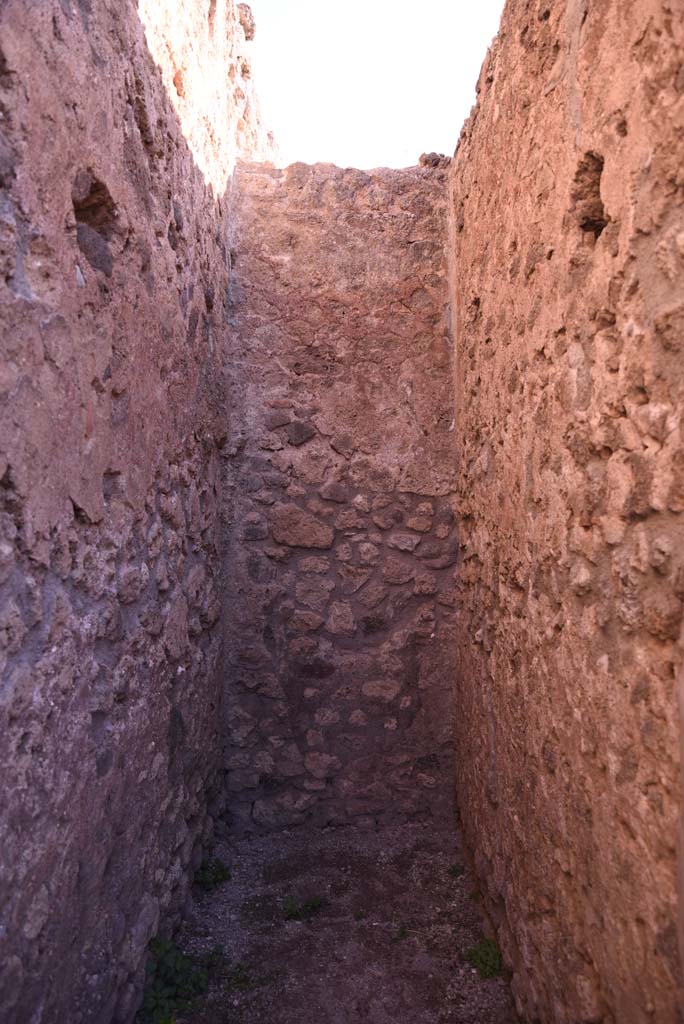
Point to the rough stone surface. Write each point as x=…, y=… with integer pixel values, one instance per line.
x=568, y=263
x=113, y=299
x=296, y=528
x=235, y=503
x=341, y=355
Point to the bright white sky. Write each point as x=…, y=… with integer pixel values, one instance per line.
x=369, y=83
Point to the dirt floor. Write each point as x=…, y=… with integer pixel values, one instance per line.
x=342, y=926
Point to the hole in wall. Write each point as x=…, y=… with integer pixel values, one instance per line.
x=80, y=514
x=93, y=204
x=621, y=127
x=111, y=484
x=587, y=204
x=95, y=213
x=10, y=502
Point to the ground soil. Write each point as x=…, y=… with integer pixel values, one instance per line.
x=388, y=945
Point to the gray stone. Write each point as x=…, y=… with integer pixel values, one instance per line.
x=299, y=433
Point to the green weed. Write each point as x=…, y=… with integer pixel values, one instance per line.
x=211, y=873
x=293, y=911
x=485, y=957
x=238, y=978
x=173, y=980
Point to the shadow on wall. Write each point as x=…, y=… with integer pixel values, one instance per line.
x=114, y=316
x=340, y=592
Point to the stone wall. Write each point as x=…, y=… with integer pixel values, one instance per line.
x=113, y=293
x=568, y=265
x=341, y=563
x=248, y=420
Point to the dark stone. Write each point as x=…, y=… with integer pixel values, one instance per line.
x=95, y=249
x=298, y=432
x=277, y=418
x=255, y=531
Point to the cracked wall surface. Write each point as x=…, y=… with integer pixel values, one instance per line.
x=568, y=263
x=341, y=564
x=113, y=309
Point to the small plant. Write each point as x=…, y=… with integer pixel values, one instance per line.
x=485, y=957
x=173, y=981
x=293, y=911
x=215, y=961
x=238, y=978
x=290, y=909
x=360, y=915
x=456, y=870
x=211, y=873
x=402, y=933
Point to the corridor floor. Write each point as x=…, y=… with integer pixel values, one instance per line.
x=341, y=926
